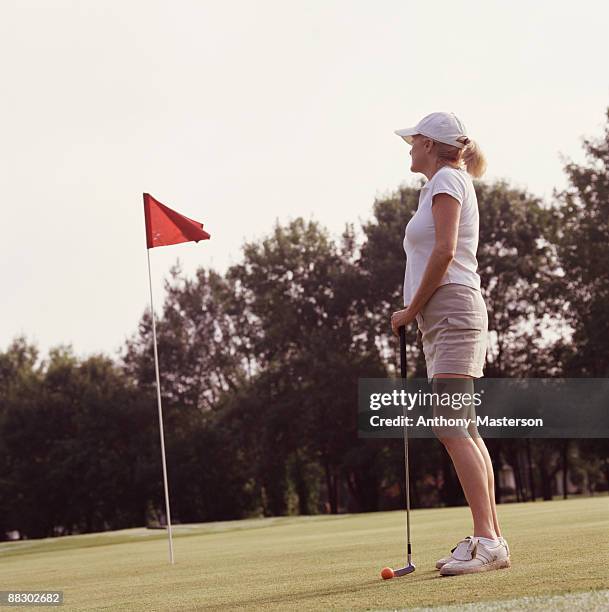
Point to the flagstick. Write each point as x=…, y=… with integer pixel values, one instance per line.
x=158, y=391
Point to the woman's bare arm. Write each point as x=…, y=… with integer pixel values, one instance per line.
x=446, y=212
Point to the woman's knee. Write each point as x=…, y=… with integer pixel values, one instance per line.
x=451, y=437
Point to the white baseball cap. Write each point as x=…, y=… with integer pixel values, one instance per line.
x=443, y=127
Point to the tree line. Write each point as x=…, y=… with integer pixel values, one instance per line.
x=259, y=370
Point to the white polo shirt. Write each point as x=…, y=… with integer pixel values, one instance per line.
x=419, y=237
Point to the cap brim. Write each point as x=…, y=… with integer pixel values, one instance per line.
x=406, y=134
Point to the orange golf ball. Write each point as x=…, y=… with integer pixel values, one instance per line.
x=387, y=573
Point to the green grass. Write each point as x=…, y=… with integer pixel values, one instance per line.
x=560, y=556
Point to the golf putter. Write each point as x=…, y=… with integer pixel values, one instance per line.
x=410, y=567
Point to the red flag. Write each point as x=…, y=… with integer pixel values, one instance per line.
x=165, y=226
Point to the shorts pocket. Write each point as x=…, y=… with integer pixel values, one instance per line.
x=466, y=320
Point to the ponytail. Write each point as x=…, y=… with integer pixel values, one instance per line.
x=474, y=160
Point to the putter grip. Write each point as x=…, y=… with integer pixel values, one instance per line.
x=403, y=351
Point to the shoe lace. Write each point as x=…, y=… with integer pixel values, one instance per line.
x=452, y=550
x=472, y=545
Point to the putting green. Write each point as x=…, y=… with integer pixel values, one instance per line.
x=559, y=554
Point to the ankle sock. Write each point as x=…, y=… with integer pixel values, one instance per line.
x=488, y=542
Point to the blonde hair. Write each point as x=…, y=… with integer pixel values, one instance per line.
x=470, y=157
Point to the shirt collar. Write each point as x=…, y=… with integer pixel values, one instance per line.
x=426, y=186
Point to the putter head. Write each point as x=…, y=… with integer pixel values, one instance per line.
x=402, y=571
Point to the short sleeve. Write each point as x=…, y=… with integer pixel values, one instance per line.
x=448, y=181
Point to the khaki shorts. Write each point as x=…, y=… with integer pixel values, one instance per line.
x=453, y=327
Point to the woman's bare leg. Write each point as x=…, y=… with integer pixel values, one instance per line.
x=491, y=481
x=472, y=466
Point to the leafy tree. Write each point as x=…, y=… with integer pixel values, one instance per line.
x=303, y=295
x=582, y=239
x=203, y=358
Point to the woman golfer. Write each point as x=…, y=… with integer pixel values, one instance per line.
x=442, y=292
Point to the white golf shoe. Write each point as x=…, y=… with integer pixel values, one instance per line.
x=472, y=556
x=463, y=543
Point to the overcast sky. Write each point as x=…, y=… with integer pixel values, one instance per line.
x=237, y=113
